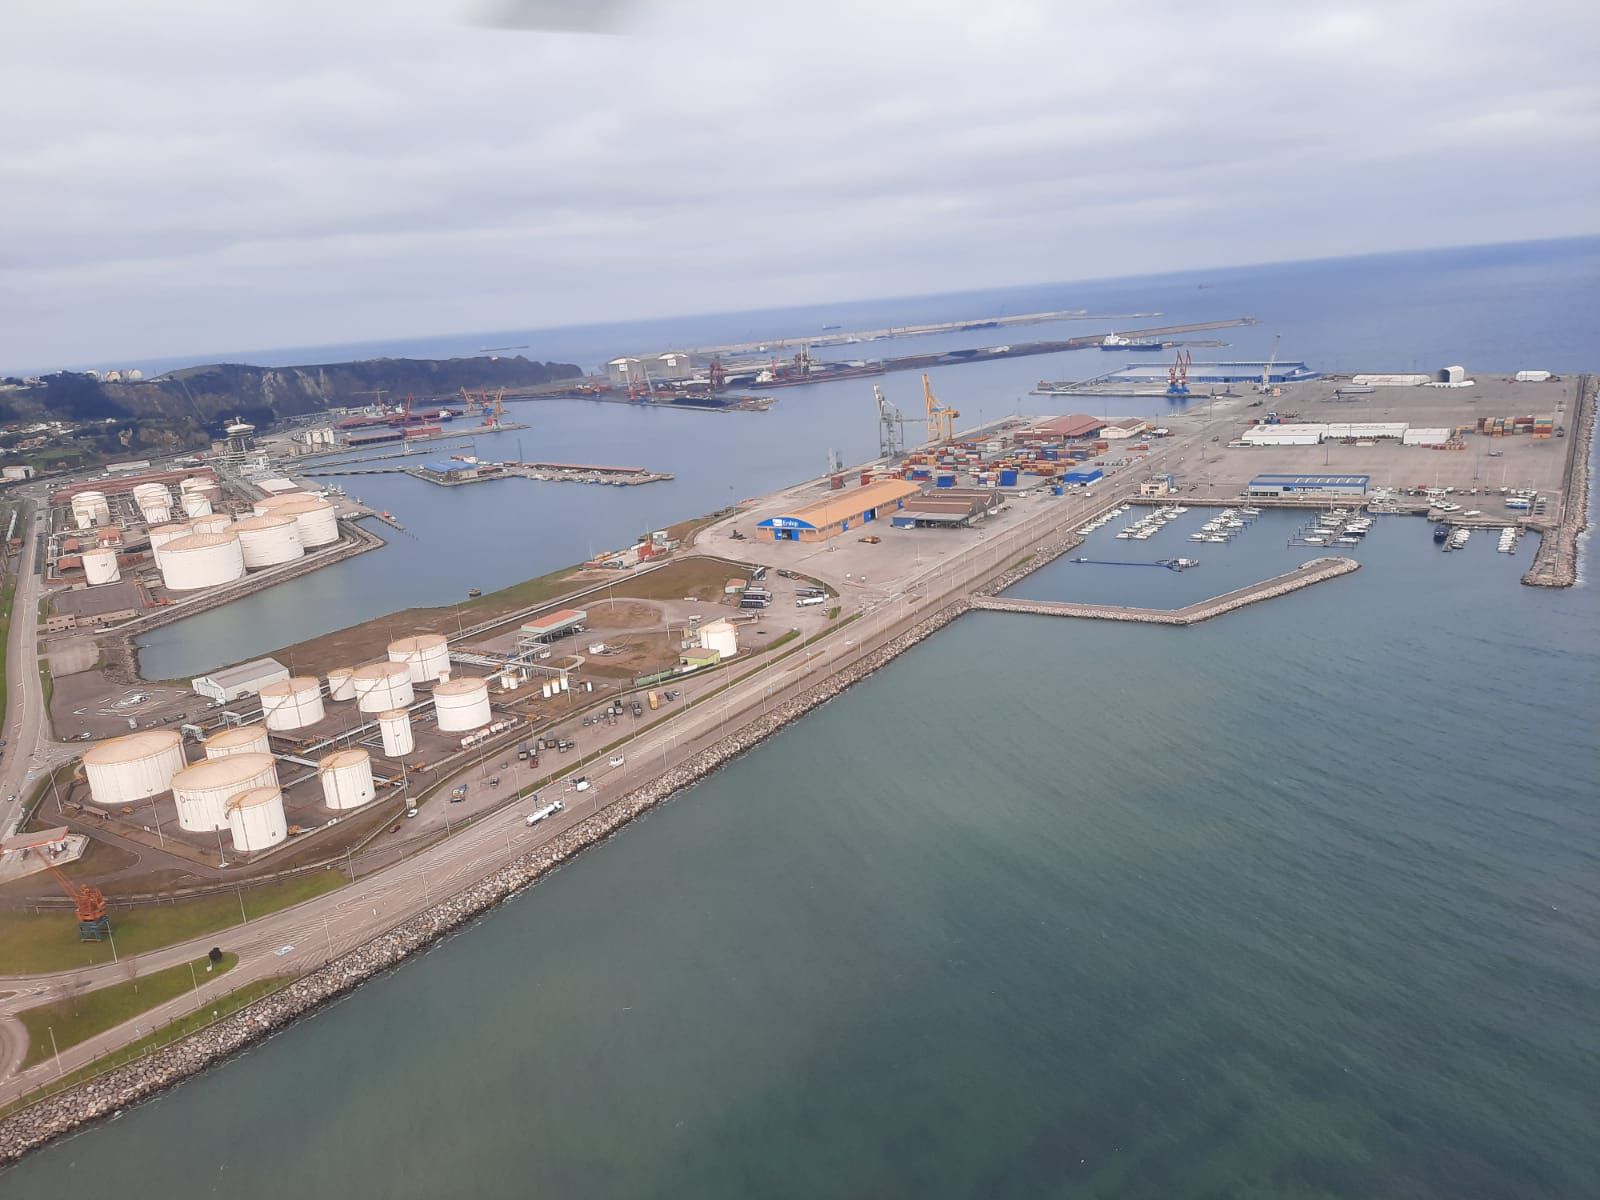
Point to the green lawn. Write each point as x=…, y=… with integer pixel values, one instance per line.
x=37, y=943
x=76, y=1019
x=164, y=1036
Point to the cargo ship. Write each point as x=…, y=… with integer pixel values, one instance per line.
x=1114, y=341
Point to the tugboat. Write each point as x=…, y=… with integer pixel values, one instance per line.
x=1440, y=532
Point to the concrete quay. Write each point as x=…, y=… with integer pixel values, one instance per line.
x=1555, y=564
x=1303, y=576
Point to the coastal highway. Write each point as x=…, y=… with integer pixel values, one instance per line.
x=302, y=938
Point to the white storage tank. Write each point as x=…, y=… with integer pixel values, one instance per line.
x=196, y=504
x=342, y=684
x=200, y=485
x=239, y=739
x=292, y=703
x=462, y=704
x=315, y=517
x=100, y=566
x=346, y=779
x=269, y=540
x=134, y=766
x=201, y=560
x=90, y=508
x=382, y=686
x=155, y=513
x=160, y=535
x=202, y=791
x=256, y=820
x=395, y=726
x=212, y=523
x=268, y=504
x=425, y=655
x=155, y=503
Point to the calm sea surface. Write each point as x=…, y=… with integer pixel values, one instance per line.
x=1301, y=902
x=1495, y=309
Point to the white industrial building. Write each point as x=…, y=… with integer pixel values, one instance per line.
x=1426, y=437
x=133, y=767
x=246, y=679
x=1311, y=434
x=673, y=366
x=1390, y=380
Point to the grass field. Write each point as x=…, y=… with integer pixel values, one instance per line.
x=75, y=1019
x=41, y=943
x=164, y=1036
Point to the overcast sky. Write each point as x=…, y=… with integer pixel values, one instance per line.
x=181, y=176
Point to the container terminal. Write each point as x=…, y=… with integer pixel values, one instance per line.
x=401, y=753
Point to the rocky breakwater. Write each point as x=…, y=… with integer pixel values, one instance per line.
x=1556, y=563
x=116, y=1089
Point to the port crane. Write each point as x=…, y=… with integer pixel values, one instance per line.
x=492, y=415
x=88, y=902
x=891, y=427
x=941, y=417
x=1178, y=376
x=1265, y=385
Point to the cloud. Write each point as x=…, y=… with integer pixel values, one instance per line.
x=181, y=177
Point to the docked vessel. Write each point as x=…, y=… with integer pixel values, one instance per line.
x=1440, y=532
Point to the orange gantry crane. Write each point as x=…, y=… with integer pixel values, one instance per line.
x=493, y=413
x=89, y=903
x=941, y=417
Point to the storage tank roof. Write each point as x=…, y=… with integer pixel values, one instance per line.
x=341, y=672
x=251, y=797
x=199, y=541
x=283, y=498
x=422, y=641
x=178, y=527
x=343, y=758
x=270, y=520
x=300, y=502
x=288, y=687
x=133, y=746
x=238, y=735
x=220, y=772
x=394, y=714
x=461, y=687
x=382, y=670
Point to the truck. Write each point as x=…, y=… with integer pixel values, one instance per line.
x=655, y=701
x=549, y=810
x=808, y=601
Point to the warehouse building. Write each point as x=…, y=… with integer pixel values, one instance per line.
x=1124, y=427
x=1061, y=430
x=840, y=512
x=246, y=679
x=1332, y=487
x=949, y=508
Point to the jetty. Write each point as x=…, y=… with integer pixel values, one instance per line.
x=1315, y=571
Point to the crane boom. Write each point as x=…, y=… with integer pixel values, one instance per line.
x=941, y=417
x=88, y=902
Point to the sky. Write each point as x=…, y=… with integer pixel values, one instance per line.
x=178, y=176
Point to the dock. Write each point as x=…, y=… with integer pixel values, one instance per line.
x=1315, y=571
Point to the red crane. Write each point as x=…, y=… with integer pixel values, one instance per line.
x=89, y=903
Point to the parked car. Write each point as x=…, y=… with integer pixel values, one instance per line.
x=617, y=760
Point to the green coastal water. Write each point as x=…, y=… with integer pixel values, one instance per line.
x=1301, y=902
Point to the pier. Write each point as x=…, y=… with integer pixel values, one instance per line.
x=548, y=472
x=1315, y=571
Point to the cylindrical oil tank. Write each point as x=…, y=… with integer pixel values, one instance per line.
x=342, y=684
x=382, y=686
x=269, y=540
x=202, y=791
x=395, y=726
x=196, y=504
x=100, y=565
x=424, y=655
x=462, y=704
x=90, y=508
x=314, y=516
x=256, y=820
x=160, y=535
x=292, y=703
x=201, y=560
x=346, y=779
x=201, y=485
x=155, y=513
x=269, y=504
x=212, y=523
x=134, y=766
x=240, y=739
